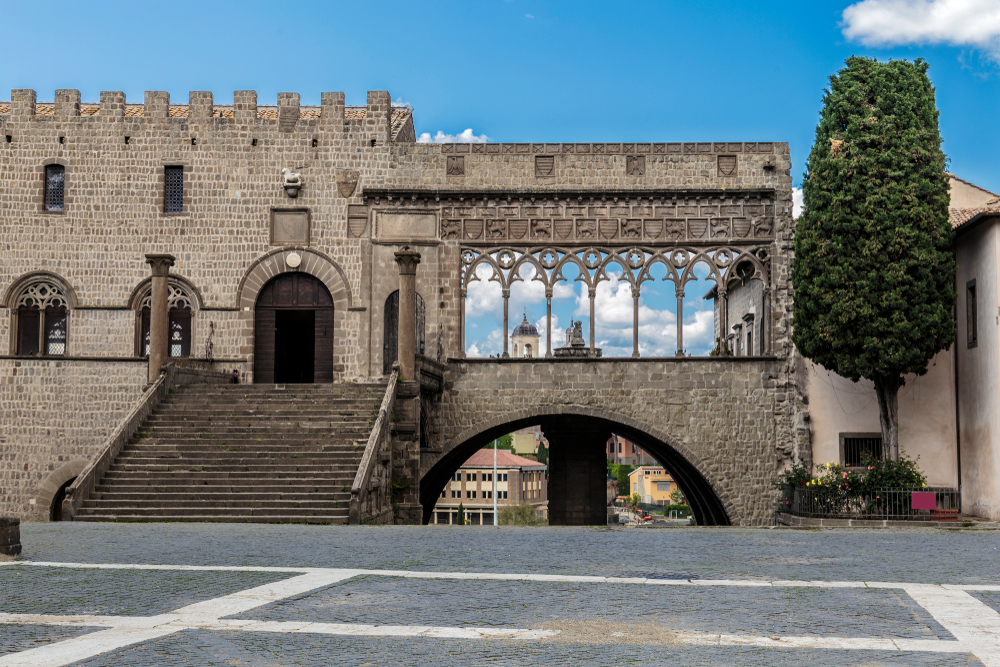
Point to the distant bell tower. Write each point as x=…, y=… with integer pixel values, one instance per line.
x=525, y=340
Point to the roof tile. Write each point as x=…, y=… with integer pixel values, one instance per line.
x=484, y=459
x=399, y=114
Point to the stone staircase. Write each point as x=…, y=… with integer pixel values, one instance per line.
x=246, y=453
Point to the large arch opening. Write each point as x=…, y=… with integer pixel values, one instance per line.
x=577, y=485
x=293, y=331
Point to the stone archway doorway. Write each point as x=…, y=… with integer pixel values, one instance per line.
x=293, y=331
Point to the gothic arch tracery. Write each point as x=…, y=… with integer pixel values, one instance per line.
x=504, y=265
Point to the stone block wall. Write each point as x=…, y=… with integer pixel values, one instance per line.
x=53, y=412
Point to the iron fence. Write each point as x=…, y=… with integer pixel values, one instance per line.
x=923, y=504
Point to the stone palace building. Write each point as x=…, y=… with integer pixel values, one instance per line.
x=301, y=245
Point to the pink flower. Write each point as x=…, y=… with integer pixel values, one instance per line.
x=845, y=475
x=871, y=467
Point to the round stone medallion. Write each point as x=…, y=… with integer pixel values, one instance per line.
x=293, y=259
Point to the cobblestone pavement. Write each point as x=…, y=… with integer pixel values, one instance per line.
x=200, y=594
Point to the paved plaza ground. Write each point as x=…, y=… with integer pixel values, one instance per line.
x=260, y=595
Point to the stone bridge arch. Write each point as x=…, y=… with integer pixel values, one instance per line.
x=722, y=426
x=710, y=503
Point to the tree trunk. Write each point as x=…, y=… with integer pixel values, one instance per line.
x=887, y=392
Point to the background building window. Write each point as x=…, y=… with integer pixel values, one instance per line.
x=41, y=320
x=55, y=187
x=173, y=189
x=971, y=314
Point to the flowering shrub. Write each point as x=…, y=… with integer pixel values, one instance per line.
x=839, y=490
x=874, y=474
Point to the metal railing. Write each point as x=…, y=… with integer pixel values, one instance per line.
x=877, y=505
x=378, y=450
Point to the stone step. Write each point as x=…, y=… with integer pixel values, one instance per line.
x=140, y=459
x=330, y=518
x=250, y=453
x=230, y=502
x=217, y=511
x=207, y=494
x=293, y=486
x=193, y=476
x=236, y=439
x=326, y=452
x=231, y=466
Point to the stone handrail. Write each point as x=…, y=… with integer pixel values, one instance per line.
x=88, y=478
x=379, y=439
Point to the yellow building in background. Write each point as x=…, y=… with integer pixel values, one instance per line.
x=653, y=484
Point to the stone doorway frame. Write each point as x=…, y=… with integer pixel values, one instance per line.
x=312, y=262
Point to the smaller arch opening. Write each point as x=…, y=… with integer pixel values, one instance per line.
x=55, y=510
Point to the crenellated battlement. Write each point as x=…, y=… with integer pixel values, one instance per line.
x=378, y=116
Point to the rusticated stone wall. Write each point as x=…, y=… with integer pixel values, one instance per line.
x=52, y=412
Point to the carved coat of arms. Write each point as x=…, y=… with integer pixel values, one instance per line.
x=347, y=181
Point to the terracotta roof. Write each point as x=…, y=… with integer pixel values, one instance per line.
x=959, y=217
x=399, y=114
x=484, y=459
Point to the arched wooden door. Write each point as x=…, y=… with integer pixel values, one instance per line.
x=293, y=331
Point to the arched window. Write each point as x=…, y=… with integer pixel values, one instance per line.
x=55, y=187
x=390, y=343
x=179, y=306
x=41, y=323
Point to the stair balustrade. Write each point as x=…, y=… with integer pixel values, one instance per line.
x=370, y=493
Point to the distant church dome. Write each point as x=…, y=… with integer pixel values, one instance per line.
x=525, y=328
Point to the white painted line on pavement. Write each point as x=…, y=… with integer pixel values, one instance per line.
x=513, y=576
x=134, y=630
x=971, y=622
x=975, y=625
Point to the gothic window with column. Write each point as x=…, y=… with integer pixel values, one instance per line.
x=179, y=307
x=41, y=312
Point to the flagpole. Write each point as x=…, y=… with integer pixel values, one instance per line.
x=495, y=522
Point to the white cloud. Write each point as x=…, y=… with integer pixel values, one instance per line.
x=466, y=137
x=971, y=23
x=492, y=345
x=797, y=202
x=528, y=16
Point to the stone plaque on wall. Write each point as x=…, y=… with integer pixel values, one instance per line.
x=290, y=226
x=393, y=226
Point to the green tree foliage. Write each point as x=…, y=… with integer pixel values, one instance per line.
x=620, y=471
x=461, y=515
x=503, y=442
x=873, y=273
x=524, y=514
x=543, y=454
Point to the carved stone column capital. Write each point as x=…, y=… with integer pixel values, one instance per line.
x=160, y=264
x=407, y=258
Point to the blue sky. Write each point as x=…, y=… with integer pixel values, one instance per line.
x=534, y=70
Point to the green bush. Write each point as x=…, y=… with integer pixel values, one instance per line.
x=682, y=510
x=524, y=514
x=873, y=474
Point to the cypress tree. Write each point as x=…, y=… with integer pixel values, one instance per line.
x=873, y=272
